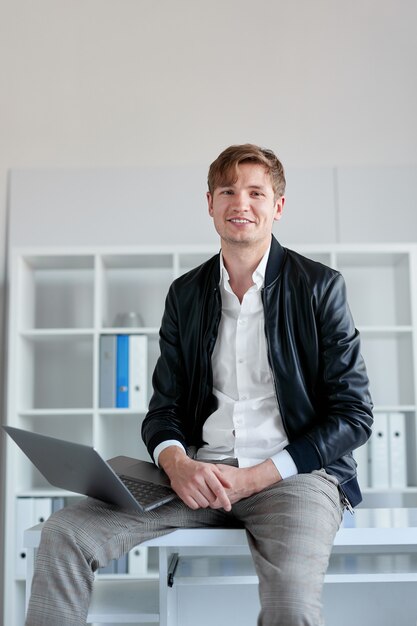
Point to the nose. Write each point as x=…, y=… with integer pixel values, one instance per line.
x=241, y=201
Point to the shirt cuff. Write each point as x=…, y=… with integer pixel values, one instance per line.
x=166, y=444
x=284, y=463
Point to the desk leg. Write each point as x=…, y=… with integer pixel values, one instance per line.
x=30, y=565
x=168, y=615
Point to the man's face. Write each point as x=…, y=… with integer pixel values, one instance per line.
x=244, y=211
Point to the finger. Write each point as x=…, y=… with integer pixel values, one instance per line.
x=210, y=482
x=195, y=499
x=191, y=503
x=216, y=504
x=222, y=478
x=202, y=501
x=205, y=487
x=205, y=496
x=220, y=494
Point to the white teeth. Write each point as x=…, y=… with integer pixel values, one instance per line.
x=240, y=221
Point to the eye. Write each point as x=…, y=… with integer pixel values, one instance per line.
x=227, y=192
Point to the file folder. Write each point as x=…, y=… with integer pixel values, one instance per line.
x=107, y=386
x=379, y=448
x=398, y=452
x=138, y=372
x=122, y=391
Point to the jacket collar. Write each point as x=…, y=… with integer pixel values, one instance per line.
x=275, y=262
x=258, y=275
x=274, y=265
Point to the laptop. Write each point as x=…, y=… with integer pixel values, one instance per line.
x=126, y=482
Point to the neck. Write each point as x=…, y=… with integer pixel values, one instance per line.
x=241, y=262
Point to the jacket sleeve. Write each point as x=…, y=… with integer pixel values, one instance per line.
x=162, y=421
x=345, y=402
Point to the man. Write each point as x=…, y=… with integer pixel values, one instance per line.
x=260, y=395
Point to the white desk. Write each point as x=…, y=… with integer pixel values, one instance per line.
x=205, y=567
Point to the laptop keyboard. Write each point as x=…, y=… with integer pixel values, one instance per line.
x=145, y=492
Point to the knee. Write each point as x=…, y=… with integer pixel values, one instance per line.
x=55, y=523
x=67, y=538
x=57, y=530
x=64, y=528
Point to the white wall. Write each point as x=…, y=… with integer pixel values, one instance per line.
x=165, y=205
x=135, y=83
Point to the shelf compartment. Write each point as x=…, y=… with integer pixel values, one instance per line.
x=321, y=257
x=151, y=358
x=51, y=289
x=124, y=602
x=151, y=572
x=376, y=498
x=215, y=570
x=239, y=570
x=190, y=260
x=386, y=279
x=235, y=603
x=77, y=428
x=57, y=372
x=389, y=361
x=368, y=470
x=384, y=567
x=119, y=434
x=135, y=285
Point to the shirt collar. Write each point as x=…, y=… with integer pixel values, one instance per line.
x=258, y=275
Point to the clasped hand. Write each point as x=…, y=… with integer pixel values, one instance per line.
x=203, y=485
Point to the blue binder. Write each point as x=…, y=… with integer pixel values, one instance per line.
x=122, y=375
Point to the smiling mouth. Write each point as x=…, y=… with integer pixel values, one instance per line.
x=236, y=220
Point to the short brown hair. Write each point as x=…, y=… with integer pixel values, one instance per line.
x=224, y=170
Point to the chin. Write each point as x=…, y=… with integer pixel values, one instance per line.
x=239, y=241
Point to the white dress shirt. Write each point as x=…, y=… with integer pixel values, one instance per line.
x=247, y=424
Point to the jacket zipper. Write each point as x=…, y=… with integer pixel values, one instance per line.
x=206, y=356
x=345, y=501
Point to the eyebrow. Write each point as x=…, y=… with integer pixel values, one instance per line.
x=261, y=187
x=226, y=186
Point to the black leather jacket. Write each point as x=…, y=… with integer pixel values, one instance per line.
x=313, y=349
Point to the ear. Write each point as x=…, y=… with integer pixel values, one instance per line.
x=279, y=207
x=210, y=203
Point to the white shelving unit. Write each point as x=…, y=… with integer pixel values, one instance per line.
x=62, y=301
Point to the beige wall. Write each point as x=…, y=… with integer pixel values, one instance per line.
x=150, y=82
